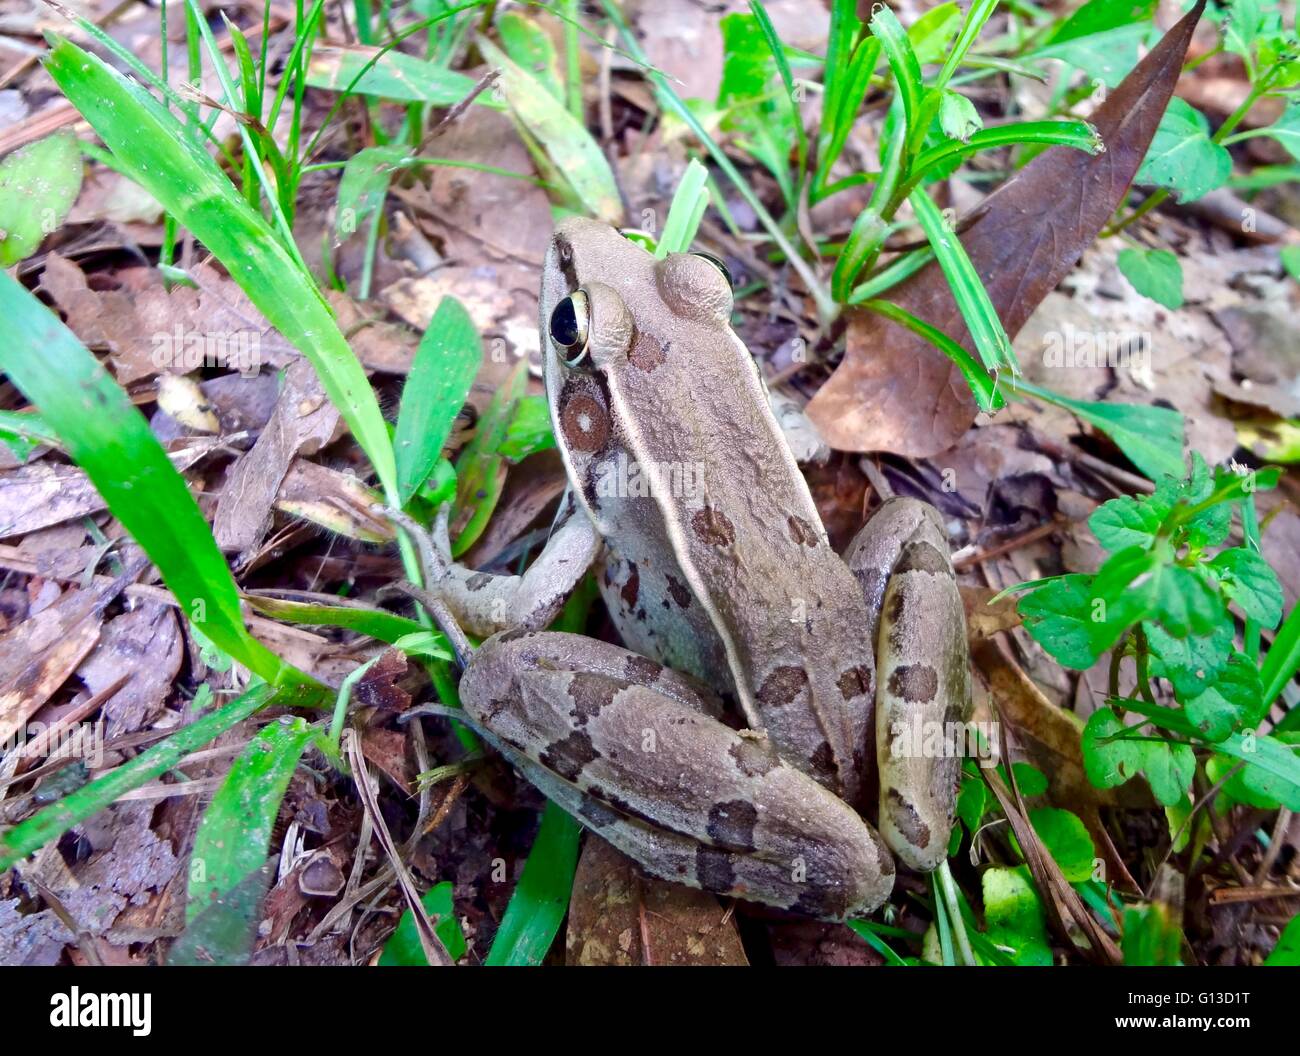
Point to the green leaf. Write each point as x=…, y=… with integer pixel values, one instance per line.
x=1155, y=274
x=1127, y=521
x=442, y=372
x=1152, y=936
x=225, y=932
x=1286, y=129
x=1182, y=156
x=53, y=821
x=570, y=147
x=373, y=623
x=1029, y=779
x=234, y=835
x=1067, y=839
x=1290, y=256
x=1281, y=665
x=1014, y=915
x=1097, y=16
x=1114, y=754
x=531, y=48
x=1228, y=702
x=479, y=468
x=541, y=898
x=972, y=801
x=754, y=99
x=157, y=152
x=1242, y=26
x=38, y=184
x=933, y=33
x=1059, y=617
x=403, y=948
x=1151, y=437
x=1191, y=663
x=1286, y=954
x=106, y=435
x=364, y=186
x=394, y=76
x=958, y=117
x=1249, y=581
x=529, y=430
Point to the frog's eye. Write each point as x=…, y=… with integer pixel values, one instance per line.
x=569, y=325
x=719, y=265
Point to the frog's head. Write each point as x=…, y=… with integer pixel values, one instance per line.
x=606, y=302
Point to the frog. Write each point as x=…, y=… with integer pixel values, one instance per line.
x=686, y=503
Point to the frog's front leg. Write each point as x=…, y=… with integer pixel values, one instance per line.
x=484, y=604
x=901, y=559
x=633, y=750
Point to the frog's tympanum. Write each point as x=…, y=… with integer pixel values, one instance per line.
x=718, y=574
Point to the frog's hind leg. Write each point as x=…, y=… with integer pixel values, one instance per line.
x=633, y=750
x=901, y=560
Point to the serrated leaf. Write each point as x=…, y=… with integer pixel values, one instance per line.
x=1127, y=521
x=1249, y=581
x=1112, y=755
x=1224, y=705
x=1191, y=663
x=1058, y=616
x=1286, y=129
x=1155, y=274
x=1182, y=157
x=38, y=184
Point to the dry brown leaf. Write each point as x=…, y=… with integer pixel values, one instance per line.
x=144, y=643
x=618, y=915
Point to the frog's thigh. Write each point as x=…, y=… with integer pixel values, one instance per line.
x=627, y=748
x=922, y=696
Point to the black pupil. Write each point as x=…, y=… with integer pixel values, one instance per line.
x=564, y=324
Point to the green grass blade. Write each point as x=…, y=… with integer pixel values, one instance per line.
x=373, y=623
x=109, y=438
x=38, y=185
x=403, y=948
x=567, y=143
x=1077, y=134
x=234, y=834
x=56, y=819
x=991, y=341
x=978, y=14
x=394, y=75
x=1280, y=666
x=983, y=387
x=686, y=211
x=787, y=79
x=158, y=154
x=886, y=28
x=445, y=364
x=541, y=899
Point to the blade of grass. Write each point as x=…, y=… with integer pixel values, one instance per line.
x=1280, y=666
x=234, y=834
x=787, y=79
x=1077, y=134
x=827, y=309
x=109, y=438
x=968, y=291
x=374, y=623
x=686, y=211
x=541, y=898
x=51, y=822
x=446, y=361
x=158, y=155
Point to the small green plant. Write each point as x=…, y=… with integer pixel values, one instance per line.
x=1165, y=598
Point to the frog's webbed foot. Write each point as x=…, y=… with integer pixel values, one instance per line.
x=902, y=562
x=630, y=749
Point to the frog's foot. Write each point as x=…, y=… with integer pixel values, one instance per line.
x=630, y=749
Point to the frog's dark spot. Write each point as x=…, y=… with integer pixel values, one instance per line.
x=646, y=353
x=584, y=414
x=478, y=581
x=731, y=824
x=632, y=587
x=801, y=531
x=589, y=693
x=754, y=756
x=568, y=756
x=514, y=634
x=812, y=903
x=713, y=870
x=596, y=814
x=923, y=557
x=873, y=582
x=907, y=821
x=916, y=683
x=782, y=686
x=680, y=591
x=622, y=806
x=855, y=681
x=823, y=759
x=712, y=527
x=494, y=707
x=643, y=671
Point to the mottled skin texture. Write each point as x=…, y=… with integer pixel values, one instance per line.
x=724, y=573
